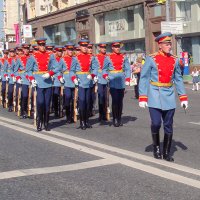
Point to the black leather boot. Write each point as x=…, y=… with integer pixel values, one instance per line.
x=68, y=116
x=119, y=115
x=46, y=122
x=156, y=145
x=166, y=147
x=115, y=124
x=87, y=115
x=39, y=121
x=82, y=120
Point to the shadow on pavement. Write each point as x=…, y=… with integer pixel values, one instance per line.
x=174, y=147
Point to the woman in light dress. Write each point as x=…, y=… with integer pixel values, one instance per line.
x=195, y=79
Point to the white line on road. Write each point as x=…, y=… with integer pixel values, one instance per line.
x=55, y=169
x=115, y=149
x=196, y=123
x=135, y=165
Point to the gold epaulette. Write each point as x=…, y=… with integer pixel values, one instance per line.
x=153, y=54
x=174, y=56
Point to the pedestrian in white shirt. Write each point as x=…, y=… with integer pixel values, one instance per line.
x=195, y=79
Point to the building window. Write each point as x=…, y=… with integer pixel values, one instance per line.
x=185, y=10
x=130, y=18
x=157, y=11
x=60, y=34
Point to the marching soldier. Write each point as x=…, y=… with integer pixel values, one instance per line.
x=102, y=83
x=50, y=48
x=117, y=71
x=69, y=86
x=93, y=92
x=83, y=70
x=76, y=49
x=56, y=83
x=10, y=65
x=3, y=72
x=160, y=75
x=35, y=48
x=22, y=77
x=43, y=65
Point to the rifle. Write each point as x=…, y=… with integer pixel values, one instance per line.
x=19, y=101
x=107, y=103
x=1, y=103
x=61, y=102
x=35, y=106
x=75, y=103
x=14, y=98
x=29, y=100
x=6, y=95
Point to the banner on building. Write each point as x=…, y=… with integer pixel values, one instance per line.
x=17, y=32
x=27, y=31
x=173, y=27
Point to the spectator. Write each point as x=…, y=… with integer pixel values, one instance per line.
x=136, y=72
x=195, y=79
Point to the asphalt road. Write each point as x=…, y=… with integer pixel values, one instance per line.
x=102, y=163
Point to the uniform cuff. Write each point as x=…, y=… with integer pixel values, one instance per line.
x=128, y=79
x=5, y=75
x=31, y=78
x=143, y=98
x=51, y=73
x=27, y=77
x=59, y=77
x=93, y=75
x=105, y=76
x=18, y=77
x=73, y=78
x=12, y=75
x=183, y=98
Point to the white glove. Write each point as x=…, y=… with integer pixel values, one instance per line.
x=0, y=78
x=14, y=79
x=184, y=104
x=89, y=77
x=34, y=83
x=7, y=78
x=46, y=76
x=75, y=81
x=143, y=104
x=127, y=83
x=19, y=81
x=95, y=79
x=62, y=80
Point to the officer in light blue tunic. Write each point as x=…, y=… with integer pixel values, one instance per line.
x=83, y=70
x=22, y=77
x=117, y=71
x=3, y=75
x=160, y=76
x=65, y=79
x=42, y=67
x=56, y=83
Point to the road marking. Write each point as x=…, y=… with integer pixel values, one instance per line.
x=115, y=150
x=116, y=159
x=55, y=169
x=196, y=123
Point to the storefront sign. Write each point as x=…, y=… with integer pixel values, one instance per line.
x=27, y=31
x=116, y=26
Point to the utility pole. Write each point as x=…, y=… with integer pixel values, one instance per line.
x=19, y=21
x=167, y=4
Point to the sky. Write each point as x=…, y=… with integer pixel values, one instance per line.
x=1, y=19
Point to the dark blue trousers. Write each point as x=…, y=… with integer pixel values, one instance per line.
x=10, y=94
x=24, y=101
x=43, y=99
x=102, y=91
x=56, y=95
x=3, y=88
x=157, y=116
x=84, y=98
x=68, y=95
x=117, y=102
